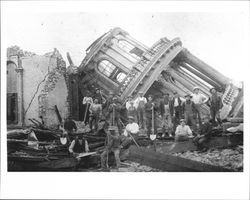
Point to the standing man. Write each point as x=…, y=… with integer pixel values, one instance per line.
x=114, y=113
x=189, y=111
x=167, y=125
x=176, y=108
x=215, y=104
x=70, y=126
x=113, y=145
x=87, y=101
x=140, y=107
x=150, y=110
x=107, y=103
x=198, y=99
x=95, y=114
x=182, y=132
x=131, y=109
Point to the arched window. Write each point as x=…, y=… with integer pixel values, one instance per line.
x=106, y=67
x=131, y=49
x=120, y=77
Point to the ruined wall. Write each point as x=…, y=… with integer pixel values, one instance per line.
x=44, y=86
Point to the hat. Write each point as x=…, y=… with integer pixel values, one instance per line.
x=188, y=95
x=212, y=88
x=195, y=88
x=140, y=92
x=182, y=120
x=130, y=117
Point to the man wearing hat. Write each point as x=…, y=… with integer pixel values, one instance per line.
x=140, y=107
x=198, y=99
x=215, y=104
x=115, y=113
x=95, y=110
x=131, y=109
x=113, y=142
x=167, y=125
x=78, y=145
x=183, y=132
x=150, y=110
x=204, y=134
x=189, y=111
x=175, y=107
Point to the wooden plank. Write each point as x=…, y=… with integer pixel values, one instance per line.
x=170, y=163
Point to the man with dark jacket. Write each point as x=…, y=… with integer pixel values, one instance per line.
x=70, y=125
x=167, y=126
x=215, y=104
x=113, y=142
x=176, y=108
x=150, y=110
x=189, y=111
x=204, y=133
x=78, y=145
x=115, y=113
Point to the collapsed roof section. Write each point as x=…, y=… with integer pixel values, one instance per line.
x=117, y=62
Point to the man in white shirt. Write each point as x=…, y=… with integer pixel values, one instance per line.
x=198, y=99
x=131, y=130
x=183, y=131
x=140, y=107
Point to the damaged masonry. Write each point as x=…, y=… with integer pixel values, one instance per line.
x=123, y=109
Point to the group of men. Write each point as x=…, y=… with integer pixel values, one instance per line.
x=177, y=116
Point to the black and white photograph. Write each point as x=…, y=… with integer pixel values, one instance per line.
x=111, y=89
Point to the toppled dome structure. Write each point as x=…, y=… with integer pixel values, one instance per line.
x=117, y=62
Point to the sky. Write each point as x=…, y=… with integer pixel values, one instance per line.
x=219, y=38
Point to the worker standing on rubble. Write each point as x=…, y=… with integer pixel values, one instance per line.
x=78, y=145
x=113, y=142
x=131, y=109
x=140, y=107
x=87, y=101
x=70, y=126
x=95, y=110
x=107, y=103
x=175, y=106
x=183, y=131
x=198, y=99
x=114, y=113
x=150, y=110
x=215, y=104
x=189, y=111
x=167, y=125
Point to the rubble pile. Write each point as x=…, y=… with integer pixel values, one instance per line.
x=135, y=167
x=228, y=158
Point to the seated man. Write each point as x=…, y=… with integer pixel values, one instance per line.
x=183, y=131
x=113, y=145
x=78, y=145
x=204, y=133
x=131, y=130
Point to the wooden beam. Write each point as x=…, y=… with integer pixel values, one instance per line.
x=170, y=163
